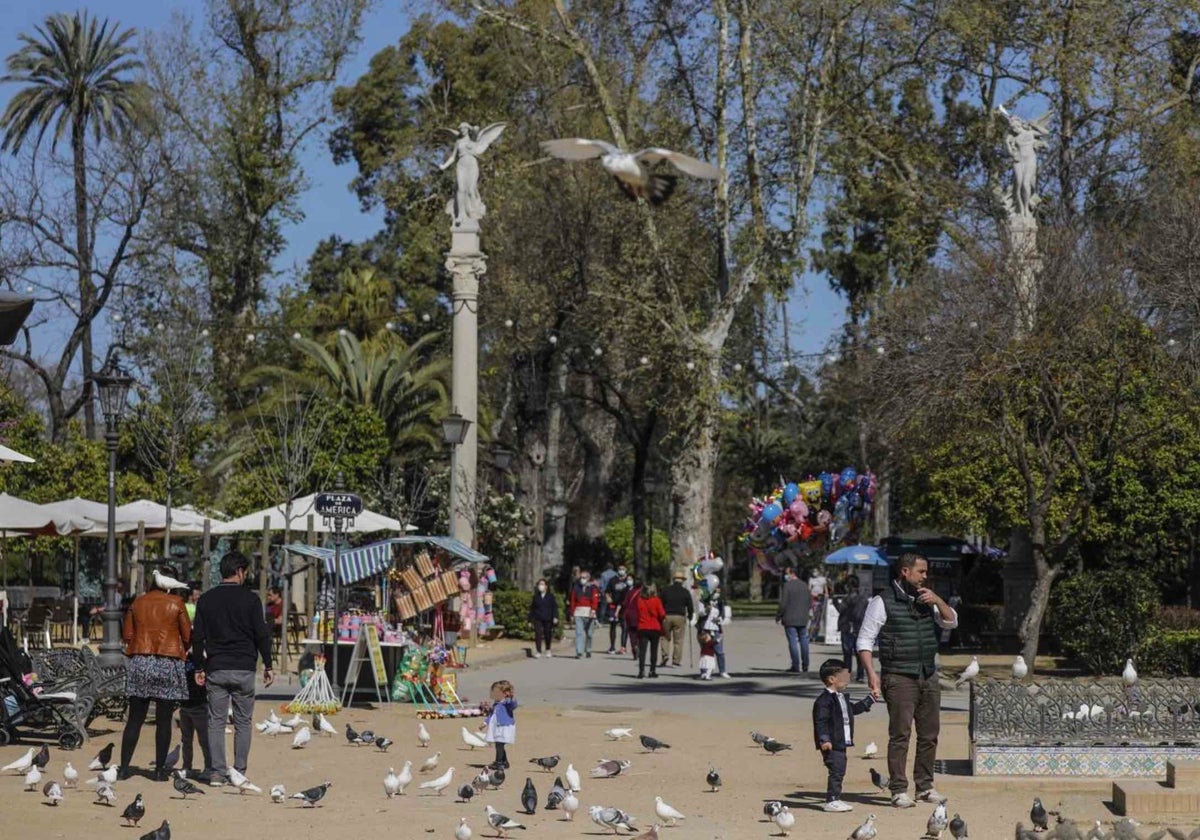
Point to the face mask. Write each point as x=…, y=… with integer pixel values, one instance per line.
x=620, y=573
x=541, y=587
x=584, y=579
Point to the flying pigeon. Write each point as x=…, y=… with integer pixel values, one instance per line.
x=572, y=778
x=471, y=739
x=772, y=746
x=22, y=764
x=181, y=784
x=653, y=744
x=301, y=738
x=1037, y=815
x=570, y=805
x=758, y=737
x=440, y=783
x=613, y=818
x=713, y=779
x=607, y=768
x=33, y=778
x=529, y=797
x=665, y=812
x=1130, y=673
x=878, y=780
x=163, y=832
x=937, y=822
x=42, y=758
x=382, y=743
x=548, y=763
x=108, y=776
x=313, y=795
x=70, y=776
x=391, y=783
x=785, y=819
x=166, y=582
x=969, y=673
x=294, y=721
x=134, y=811
x=431, y=763
x=323, y=726
x=423, y=737
x=463, y=831
x=630, y=169
x=501, y=823
x=771, y=808
x=556, y=795
x=1019, y=668
x=106, y=794
x=618, y=734
x=351, y=735
x=866, y=831
x=405, y=777
x=278, y=793
x=870, y=750
x=52, y=792
x=102, y=758
x=465, y=793
x=240, y=782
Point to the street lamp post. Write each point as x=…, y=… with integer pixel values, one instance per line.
x=502, y=458
x=113, y=384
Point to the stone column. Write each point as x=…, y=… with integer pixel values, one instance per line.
x=466, y=264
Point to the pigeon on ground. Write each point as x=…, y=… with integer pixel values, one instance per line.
x=106, y=793
x=608, y=768
x=772, y=746
x=440, y=783
x=465, y=793
x=548, y=763
x=423, y=737
x=630, y=169
x=650, y=833
x=278, y=793
x=1019, y=668
x=653, y=744
x=239, y=781
x=785, y=819
x=878, y=780
x=274, y=718
x=570, y=805
x=42, y=758
x=33, y=778
x=482, y=781
x=108, y=775
x=431, y=763
x=53, y=792
x=969, y=673
x=102, y=758
x=501, y=823
x=163, y=832
x=22, y=764
x=313, y=795
x=134, y=811
x=496, y=777
x=366, y=737
x=1096, y=833
x=1023, y=833
x=866, y=831
x=463, y=831
x=472, y=740
x=617, y=734
x=183, y=786
x=320, y=724
x=613, y=818
x=937, y=822
x=529, y=797
x=870, y=750
x=758, y=738
x=713, y=779
x=1130, y=673
x=1068, y=830
x=382, y=743
x=301, y=738
x=270, y=728
x=556, y=795
x=958, y=828
x=70, y=776
x=1126, y=829
x=1038, y=816
x=572, y=778
x=391, y=783
x=665, y=812
x=405, y=777
x=771, y=808
x=172, y=759
x=294, y=721
x=351, y=736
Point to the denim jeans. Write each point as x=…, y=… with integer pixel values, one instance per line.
x=719, y=647
x=797, y=638
x=583, y=634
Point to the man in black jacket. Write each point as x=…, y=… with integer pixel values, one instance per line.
x=677, y=603
x=228, y=637
x=833, y=728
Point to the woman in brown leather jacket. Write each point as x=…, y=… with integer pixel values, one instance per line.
x=157, y=636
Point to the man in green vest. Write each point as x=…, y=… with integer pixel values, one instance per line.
x=904, y=619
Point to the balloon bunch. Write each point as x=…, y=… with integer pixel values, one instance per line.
x=704, y=574
x=801, y=518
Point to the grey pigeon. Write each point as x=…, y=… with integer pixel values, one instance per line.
x=557, y=794
x=106, y=794
x=878, y=780
x=163, y=832
x=496, y=777
x=713, y=779
x=609, y=768
x=529, y=797
x=351, y=735
x=1023, y=833
x=958, y=828
x=757, y=737
x=630, y=169
x=313, y=795
x=772, y=808
x=937, y=821
x=1096, y=832
x=501, y=823
x=366, y=737
x=465, y=793
x=42, y=758
x=1038, y=816
x=1065, y=829
x=134, y=811
x=382, y=743
x=548, y=763
x=171, y=760
x=866, y=831
x=772, y=746
x=481, y=781
x=613, y=818
x=180, y=782
x=1126, y=829
x=653, y=744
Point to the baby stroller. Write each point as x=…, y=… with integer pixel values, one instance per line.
x=25, y=712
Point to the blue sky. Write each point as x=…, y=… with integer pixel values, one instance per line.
x=815, y=312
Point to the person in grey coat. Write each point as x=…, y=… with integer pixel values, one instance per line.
x=793, y=610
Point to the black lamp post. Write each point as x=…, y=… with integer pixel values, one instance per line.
x=454, y=428
x=502, y=459
x=113, y=384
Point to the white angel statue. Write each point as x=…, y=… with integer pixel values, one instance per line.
x=1023, y=141
x=471, y=142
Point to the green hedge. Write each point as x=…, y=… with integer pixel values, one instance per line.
x=1101, y=618
x=510, y=607
x=1170, y=653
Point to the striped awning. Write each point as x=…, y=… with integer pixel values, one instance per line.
x=369, y=560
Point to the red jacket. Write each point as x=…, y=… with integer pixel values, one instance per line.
x=629, y=610
x=580, y=598
x=650, y=615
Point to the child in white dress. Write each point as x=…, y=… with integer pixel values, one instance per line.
x=501, y=725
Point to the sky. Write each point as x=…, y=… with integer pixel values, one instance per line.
x=815, y=312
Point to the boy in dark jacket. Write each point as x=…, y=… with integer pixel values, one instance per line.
x=833, y=728
x=193, y=720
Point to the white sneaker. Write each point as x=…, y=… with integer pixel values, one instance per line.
x=726, y=675
x=901, y=800
x=549, y=655
x=537, y=656
x=932, y=796
x=837, y=806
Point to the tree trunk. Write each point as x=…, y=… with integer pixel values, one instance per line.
x=596, y=432
x=1039, y=598
x=554, y=538
x=692, y=476
x=530, y=462
x=167, y=529
x=87, y=292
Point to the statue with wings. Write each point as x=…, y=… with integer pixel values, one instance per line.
x=471, y=142
x=1023, y=141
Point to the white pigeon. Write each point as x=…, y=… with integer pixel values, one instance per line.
x=501, y=823
x=53, y=792
x=866, y=831
x=167, y=582
x=302, y=737
x=106, y=792
x=22, y=764
x=969, y=673
x=1019, y=669
x=785, y=819
x=570, y=805
x=107, y=777
x=391, y=783
x=283, y=730
x=1096, y=712
x=618, y=734
x=271, y=716
x=1130, y=673
x=278, y=794
x=462, y=831
x=33, y=778
x=440, y=783
x=271, y=728
x=572, y=779
x=870, y=750
x=243, y=784
x=70, y=776
x=405, y=778
x=937, y=821
x=326, y=726
x=423, y=737
x=431, y=763
x=472, y=740
x=294, y=721
x=666, y=812
x=630, y=169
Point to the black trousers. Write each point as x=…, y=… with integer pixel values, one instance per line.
x=835, y=763
x=647, y=640
x=543, y=631
x=164, y=710
x=612, y=634
x=193, y=720
x=501, y=754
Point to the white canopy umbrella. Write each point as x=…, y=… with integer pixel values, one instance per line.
x=12, y=456
x=364, y=523
x=19, y=518
x=185, y=521
x=79, y=508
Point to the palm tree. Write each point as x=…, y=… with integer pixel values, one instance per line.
x=75, y=75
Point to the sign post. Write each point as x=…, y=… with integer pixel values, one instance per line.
x=337, y=509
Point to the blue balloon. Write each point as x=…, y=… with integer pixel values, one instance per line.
x=826, y=484
x=771, y=512
x=790, y=492
x=848, y=477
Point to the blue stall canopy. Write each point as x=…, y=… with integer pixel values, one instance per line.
x=857, y=555
x=368, y=560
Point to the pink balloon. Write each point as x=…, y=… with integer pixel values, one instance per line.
x=798, y=508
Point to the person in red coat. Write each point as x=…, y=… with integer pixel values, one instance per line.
x=650, y=614
x=629, y=613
